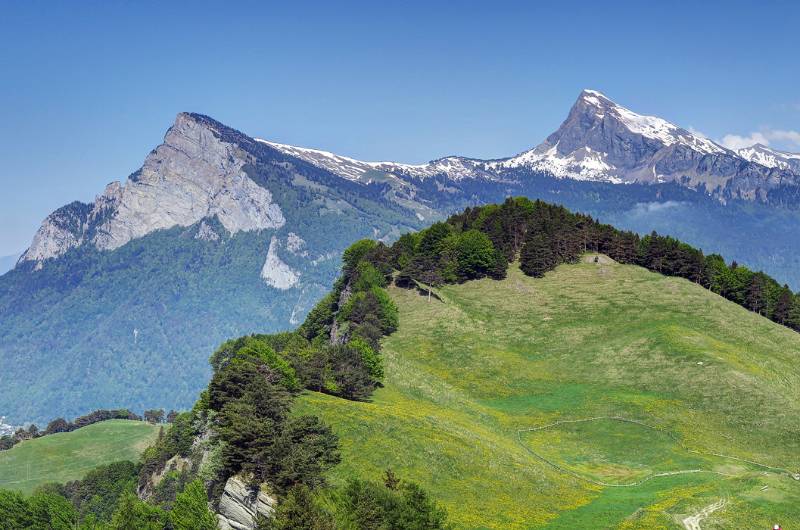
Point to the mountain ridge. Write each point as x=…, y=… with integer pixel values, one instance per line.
x=599, y=141
x=227, y=234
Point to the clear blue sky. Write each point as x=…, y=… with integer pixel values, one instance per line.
x=88, y=88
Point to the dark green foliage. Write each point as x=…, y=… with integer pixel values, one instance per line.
x=319, y=320
x=365, y=505
x=350, y=376
x=369, y=357
x=537, y=256
x=133, y=514
x=299, y=510
x=177, y=441
x=154, y=415
x=305, y=449
x=14, y=510
x=370, y=314
x=103, y=415
x=52, y=512
x=353, y=255
x=372, y=506
x=190, y=511
x=252, y=404
x=58, y=425
x=254, y=349
x=543, y=236
x=97, y=494
x=476, y=257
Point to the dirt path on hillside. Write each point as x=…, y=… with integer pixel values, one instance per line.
x=693, y=521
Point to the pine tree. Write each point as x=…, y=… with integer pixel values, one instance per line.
x=756, y=295
x=537, y=257
x=783, y=306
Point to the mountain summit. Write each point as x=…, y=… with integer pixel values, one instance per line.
x=195, y=174
x=219, y=234
x=602, y=141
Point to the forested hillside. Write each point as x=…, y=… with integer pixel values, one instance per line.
x=516, y=366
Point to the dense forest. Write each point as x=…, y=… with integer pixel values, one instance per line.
x=243, y=424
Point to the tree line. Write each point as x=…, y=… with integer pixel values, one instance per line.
x=62, y=425
x=481, y=241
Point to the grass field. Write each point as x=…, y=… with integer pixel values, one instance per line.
x=465, y=375
x=68, y=456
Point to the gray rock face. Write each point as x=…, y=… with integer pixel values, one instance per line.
x=192, y=176
x=239, y=506
x=197, y=173
x=275, y=272
x=61, y=230
x=772, y=158
x=605, y=142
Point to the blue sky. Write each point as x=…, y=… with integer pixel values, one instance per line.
x=87, y=89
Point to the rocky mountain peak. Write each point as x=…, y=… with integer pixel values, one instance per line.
x=771, y=158
x=196, y=173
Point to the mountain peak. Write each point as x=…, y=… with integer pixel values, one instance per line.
x=594, y=97
x=771, y=158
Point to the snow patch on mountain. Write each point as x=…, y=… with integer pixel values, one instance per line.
x=768, y=157
x=454, y=167
x=275, y=272
x=580, y=164
x=651, y=127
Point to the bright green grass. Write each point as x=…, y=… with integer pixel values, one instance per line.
x=69, y=456
x=612, y=451
x=464, y=375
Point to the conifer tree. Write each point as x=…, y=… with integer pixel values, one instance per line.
x=537, y=256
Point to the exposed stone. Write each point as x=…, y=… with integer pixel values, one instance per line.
x=206, y=233
x=295, y=244
x=193, y=175
x=240, y=506
x=275, y=272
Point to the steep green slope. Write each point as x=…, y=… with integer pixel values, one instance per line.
x=468, y=378
x=68, y=456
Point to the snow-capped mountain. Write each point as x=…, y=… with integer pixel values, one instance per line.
x=602, y=141
x=455, y=167
x=772, y=158
x=219, y=234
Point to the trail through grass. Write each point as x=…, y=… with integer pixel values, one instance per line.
x=465, y=374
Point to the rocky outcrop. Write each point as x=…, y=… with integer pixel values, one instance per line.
x=240, y=505
x=61, y=231
x=193, y=175
x=206, y=232
x=599, y=141
x=275, y=272
x=603, y=141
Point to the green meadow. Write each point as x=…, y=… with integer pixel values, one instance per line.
x=472, y=378
x=69, y=456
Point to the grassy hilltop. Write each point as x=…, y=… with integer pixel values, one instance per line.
x=471, y=379
x=70, y=455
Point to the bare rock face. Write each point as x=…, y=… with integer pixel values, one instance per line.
x=275, y=272
x=603, y=141
x=239, y=506
x=61, y=231
x=192, y=176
